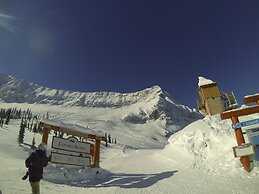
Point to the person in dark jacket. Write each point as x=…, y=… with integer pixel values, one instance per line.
x=35, y=163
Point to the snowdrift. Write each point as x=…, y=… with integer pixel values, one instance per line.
x=206, y=144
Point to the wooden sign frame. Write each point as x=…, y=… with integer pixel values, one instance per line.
x=48, y=126
x=233, y=115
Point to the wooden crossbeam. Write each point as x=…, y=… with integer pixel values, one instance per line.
x=70, y=132
x=240, y=112
x=252, y=98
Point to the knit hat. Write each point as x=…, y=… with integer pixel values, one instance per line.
x=42, y=146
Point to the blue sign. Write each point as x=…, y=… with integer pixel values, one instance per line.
x=255, y=140
x=245, y=123
x=256, y=157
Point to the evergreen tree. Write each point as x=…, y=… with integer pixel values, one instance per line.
x=13, y=113
x=33, y=141
x=8, y=117
x=2, y=113
x=109, y=138
x=35, y=128
x=1, y=122
x=47, y=115
x=19, y=114
x=21, y=133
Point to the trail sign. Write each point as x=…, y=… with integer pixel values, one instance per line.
x=243, y=150
x=70, y=151
x=69, y=159
x=245, y=123
x=70, y=144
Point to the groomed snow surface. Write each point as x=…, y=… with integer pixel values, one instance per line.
x=198, y=159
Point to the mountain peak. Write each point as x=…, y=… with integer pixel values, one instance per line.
x=150, y=103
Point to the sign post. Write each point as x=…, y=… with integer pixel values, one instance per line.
x=233, y=115
x=241, y=140
x=70, y=151
x=86, y=150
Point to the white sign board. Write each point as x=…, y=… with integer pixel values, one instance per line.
x=69, y=159
x=243, y=150
x=70, y=144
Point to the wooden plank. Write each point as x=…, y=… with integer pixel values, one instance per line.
x=240, y=112
x=210, y=92
x=252, y=98
x=70, y=132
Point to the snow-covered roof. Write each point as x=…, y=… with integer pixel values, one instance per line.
x=204, y=81
x=73, y=128
x=251, y=95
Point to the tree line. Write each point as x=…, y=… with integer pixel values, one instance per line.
x=30, y=122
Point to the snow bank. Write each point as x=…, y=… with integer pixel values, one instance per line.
x=206, y=145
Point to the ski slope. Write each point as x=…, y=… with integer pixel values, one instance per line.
x=197, y=159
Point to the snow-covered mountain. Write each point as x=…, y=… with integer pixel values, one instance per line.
x=149, y=104
x=196, y=159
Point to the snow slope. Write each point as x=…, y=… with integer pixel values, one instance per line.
x=197, y=159
x=150, y=109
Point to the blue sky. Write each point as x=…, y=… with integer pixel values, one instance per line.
x=126, y=46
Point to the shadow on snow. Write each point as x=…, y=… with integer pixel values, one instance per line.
x=104, y=178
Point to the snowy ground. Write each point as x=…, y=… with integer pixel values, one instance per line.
x=198, y=159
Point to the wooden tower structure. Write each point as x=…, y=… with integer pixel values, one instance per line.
x=210, y=97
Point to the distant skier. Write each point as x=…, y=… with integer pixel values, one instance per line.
x=35, y=163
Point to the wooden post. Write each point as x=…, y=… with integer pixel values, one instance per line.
x=97, y=153
x=45, y=135
x=92, y=154
x=241, y=140
x=238, y=132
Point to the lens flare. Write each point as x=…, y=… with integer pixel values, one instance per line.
x=5, y=22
